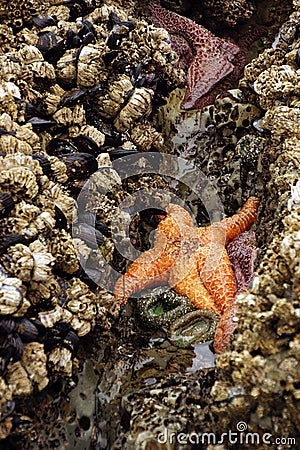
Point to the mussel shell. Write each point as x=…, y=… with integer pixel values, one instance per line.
x=4, y=132
x=115, y=20
x=15, y=346
x=6, y=204
x=43, y=21
x=89, y=38
x=30, y=109
x=87, y=27
x=7, y=409
x=71, y=97
x=69, y=37
x=44, y=163
x=86, y=144
x=51, y=48
x=7, y=325
x=58, y=146
x=92, y=237
x=71, y=342
x=40, y=124
x=297, y=58
x=27, y=330
x=120, y=153
x=103, y=228
x=60, y=218
x=10, y=239
x=79, y=165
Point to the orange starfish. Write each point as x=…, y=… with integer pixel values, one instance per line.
x=194, y=262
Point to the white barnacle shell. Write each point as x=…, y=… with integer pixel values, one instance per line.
x=110, y=104
x=11, y=298
x=20, y=181
x=65, y=67
x=35, y=362
x=18, y=379
x=60, y=359
x=69, y=117
x=29, y=54
x=49, y=318
x=139, y=105
x=10, y=144
x=90, y=67
x=62, y=246
x=29, y=220
x=43, y=261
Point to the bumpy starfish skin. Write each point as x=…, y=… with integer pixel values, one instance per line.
x=214, y=58
x=194, y=262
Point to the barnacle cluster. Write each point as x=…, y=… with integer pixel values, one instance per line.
x=78, y=81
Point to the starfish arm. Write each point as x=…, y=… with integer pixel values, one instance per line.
x=226, y=326
x=149, y=269
x=217, y=276
x=240, y=222
x=207, y=69
x=192, y=287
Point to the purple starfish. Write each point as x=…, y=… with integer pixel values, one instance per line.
x=213, y=63
x=242, y=254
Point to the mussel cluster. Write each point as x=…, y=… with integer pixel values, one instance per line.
x=78, y=82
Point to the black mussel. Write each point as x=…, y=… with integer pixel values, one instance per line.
x=87, y=27
x=7, y=409
x=86, y=217
x=115, y=20
x=109, y=57
x=89, y=38
x=69, y=38
x=78, y=8
x=120, y=153
x=7, y=325
x=60, y=218
x=5, y=132
x=297, y=57
x=44, y=163
x=79, y=165
x=71, y=97
x=30, y=110
x=103, y=228
x=86, y=144
x=113, y=139
x=27, y=330
x=51, y=48
x=71, y=342
x=58, y=146
x=6, y=204
x=40, y=124
x=10, y=239
x=43, y=21
x=76, y=42
x=114, y=40
x=14, y=346
x=88, y=234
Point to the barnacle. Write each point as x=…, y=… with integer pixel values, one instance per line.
x=145, y=136
x=118, y=89
x=31, y=262
x=139, y=105
x=28, y=219
x=62, y=246
x=12, y=300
